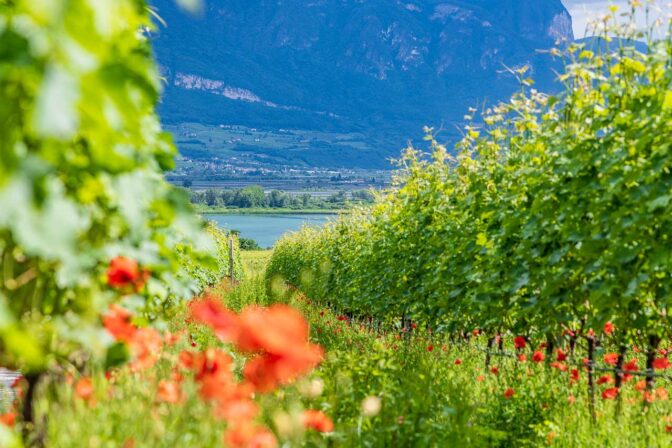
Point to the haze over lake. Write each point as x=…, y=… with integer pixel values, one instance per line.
x=267, y=229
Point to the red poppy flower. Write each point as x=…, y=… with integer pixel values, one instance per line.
x=522, y=358
x=661, y=363
x=560, y=366
x=630, y=366
x=124, y=272
x=8, y=419
x=211, y=312
x=574, y=375
x=662, y=394
x=118, y=323
x=538, y=356
x=543, y=345
x=605, y=379
x=169, y=392
x=641, y=385
x=430, y=348
x=494, y=370
x=476, y=332
x=84, y=388
x=317, y=420
x=609, y=328
x=458, y=362
x=519, y=342
x=146, y=348
x=480, y=378
x=561, y=356
x=509, y=393
x=249, y=435
x=342, y=318
x=610, y=394
x=611, y=358
x=414, y=326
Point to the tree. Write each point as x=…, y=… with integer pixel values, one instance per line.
x=211, y=197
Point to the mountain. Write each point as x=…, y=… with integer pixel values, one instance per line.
x=378, y=68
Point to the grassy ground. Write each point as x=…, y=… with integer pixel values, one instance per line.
x=381, y=390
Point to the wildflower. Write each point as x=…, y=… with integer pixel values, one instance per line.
x=476, y=332
x=247, y=434
x=522, y=358
x=8, y=419
x=668, y=428
x=561, y=356
x=84, y=388
x=605, y=379
x=146, y=348
x=641, y=385
x=317, y=420
x=571, y=399
x=371, y=406
x=661, y=363
x=611, y=358
x=560, y=366
x=519, y=342
x=169, y=392
x=630, y=366
x=610, y=394
x=458, y=361
x=480, y=378
x=414, y=326
x=494, y=370
x=211, y=312
x=212, y=372
x=342, y=318
x=312, y=389
x=609, y=328
x=538, y=356
x=508, y=393
x=237, y=408
x=123, y=272
x=574, y=375
x=430, y=348
x=268, y=371
x=118, y=323
x=661, y=394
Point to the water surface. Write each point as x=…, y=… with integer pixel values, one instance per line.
x=267, y=229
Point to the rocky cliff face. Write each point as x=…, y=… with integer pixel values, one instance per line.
x=383, y=67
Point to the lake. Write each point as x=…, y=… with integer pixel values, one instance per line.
x=267, y=229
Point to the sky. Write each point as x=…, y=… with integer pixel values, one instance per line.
x=583, y=11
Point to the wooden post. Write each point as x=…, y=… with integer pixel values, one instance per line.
x=619, y=378
x=591, y=384
x=491, y=341
x=232, y=273
x=650, y=357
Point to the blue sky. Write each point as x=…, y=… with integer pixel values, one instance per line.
x=584, y=10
